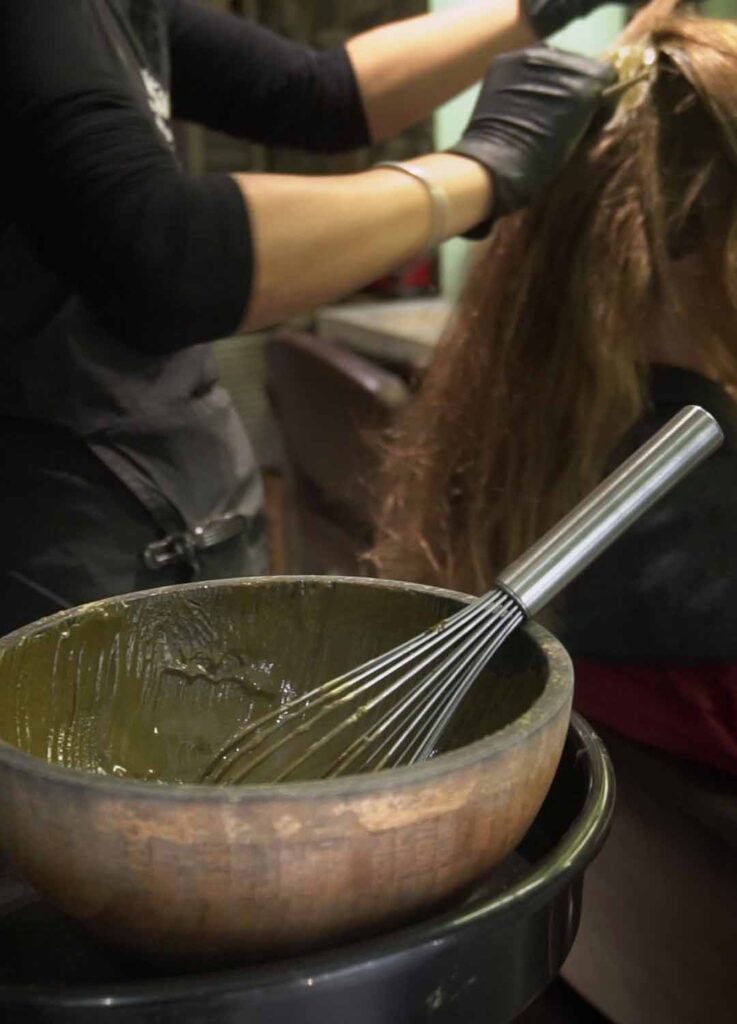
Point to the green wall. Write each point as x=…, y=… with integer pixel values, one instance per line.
x=722, y=8
x=589, y=35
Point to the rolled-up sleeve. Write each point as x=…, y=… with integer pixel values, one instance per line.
x=163, y=259
x=237, y=77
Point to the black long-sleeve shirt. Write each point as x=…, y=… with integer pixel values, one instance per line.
x=239, y=78
x=91, y=190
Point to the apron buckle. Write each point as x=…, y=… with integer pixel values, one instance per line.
x=184, y=546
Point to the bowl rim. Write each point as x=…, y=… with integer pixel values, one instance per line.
x=558, y=692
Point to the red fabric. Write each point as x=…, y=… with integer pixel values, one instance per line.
x=689, y=711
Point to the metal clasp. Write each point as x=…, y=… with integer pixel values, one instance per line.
x=186, y=545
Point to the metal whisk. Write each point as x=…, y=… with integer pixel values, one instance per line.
x=407, y=696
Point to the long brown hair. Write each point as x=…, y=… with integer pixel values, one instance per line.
x=543, y=369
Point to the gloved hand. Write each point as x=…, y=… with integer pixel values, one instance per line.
x=549, y=16
x=534, y=107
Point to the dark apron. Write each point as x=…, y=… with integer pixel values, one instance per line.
x=120, y=470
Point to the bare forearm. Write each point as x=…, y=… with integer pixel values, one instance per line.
x=316, y=239
x=406, y=69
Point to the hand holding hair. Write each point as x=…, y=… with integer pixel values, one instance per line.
x=534, y=107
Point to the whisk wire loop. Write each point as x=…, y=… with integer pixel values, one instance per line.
x=443, y=678
x=436, y=645
x=323, y=700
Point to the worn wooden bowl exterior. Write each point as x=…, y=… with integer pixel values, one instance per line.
x=210, y=873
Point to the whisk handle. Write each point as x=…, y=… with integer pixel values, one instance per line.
x=565, y=551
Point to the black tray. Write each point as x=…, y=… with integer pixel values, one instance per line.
x=483, y=961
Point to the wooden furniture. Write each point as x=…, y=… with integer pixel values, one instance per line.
x=332, y=407
x=401, y=333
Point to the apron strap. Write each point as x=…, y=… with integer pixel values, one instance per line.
x=180, y=544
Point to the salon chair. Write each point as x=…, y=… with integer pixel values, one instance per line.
x=332, y=406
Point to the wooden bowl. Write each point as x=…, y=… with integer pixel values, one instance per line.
x=109, y=713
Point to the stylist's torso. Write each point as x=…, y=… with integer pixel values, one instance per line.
x=106, y=448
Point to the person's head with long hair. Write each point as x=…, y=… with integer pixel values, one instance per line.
x=544, y=367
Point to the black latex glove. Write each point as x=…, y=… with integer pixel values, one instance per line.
x=534, y=107
x=549, y=16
